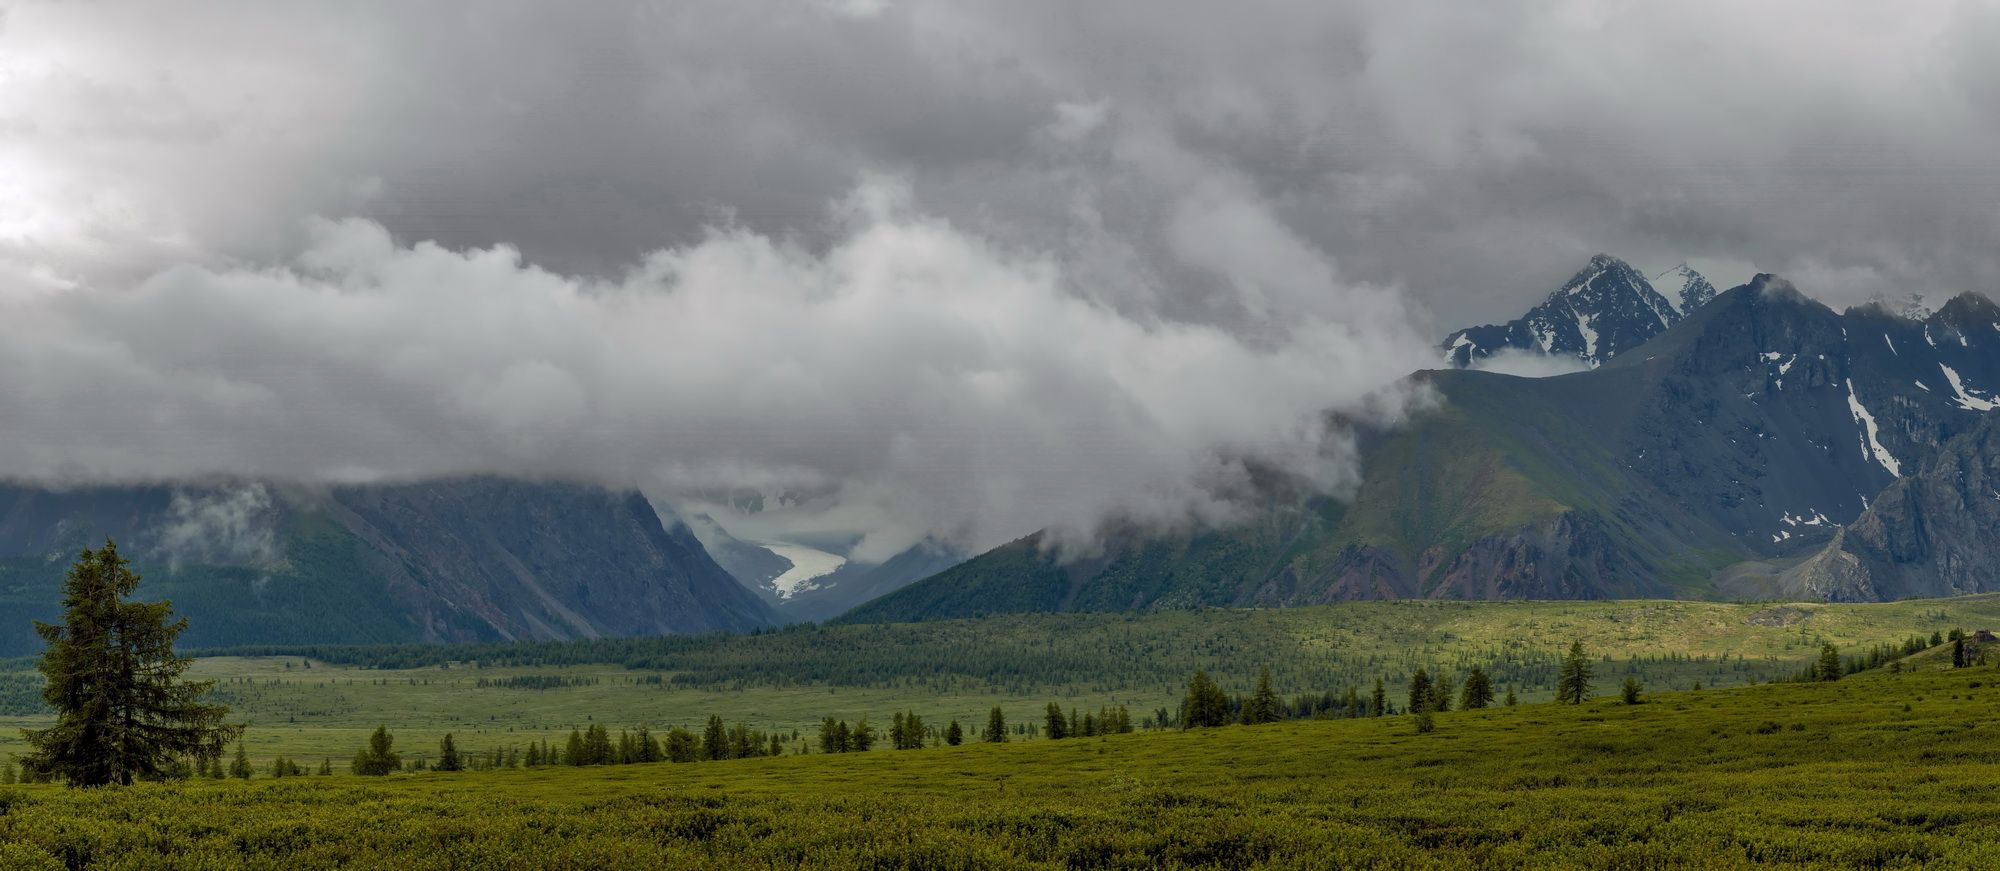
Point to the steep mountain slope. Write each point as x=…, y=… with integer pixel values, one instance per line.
x=461, y=560
x=1748, y=431
x=1689, y=287
x=1601, y=312
x=1607, y=308
x=1927, y=534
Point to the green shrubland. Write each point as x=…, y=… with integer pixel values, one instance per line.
x=1881, y=770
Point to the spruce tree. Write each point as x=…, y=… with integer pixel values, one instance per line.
x=1512, y=699
x=1441, y=694
x=715, y=739
x=1262, y=706
x=1631, y=690
x=240, y=767
x=863, y=736
x=1420, y=691
x=1478, y=691
x=1573, y=684
x=574, y=752
x=325, y=766
x=1207, y=704
x=1057, y=725
x=379, y=757
x=1829, y=663
x=448, y=758
x=953, y=734
x=996, y=726
x=1378, y=702
x=113, y=679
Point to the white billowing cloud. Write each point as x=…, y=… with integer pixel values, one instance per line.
x=913, y=379
x=1529, y=364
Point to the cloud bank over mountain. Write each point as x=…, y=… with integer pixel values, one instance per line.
x=953, y=268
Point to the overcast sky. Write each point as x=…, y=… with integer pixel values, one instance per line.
x=942, y=268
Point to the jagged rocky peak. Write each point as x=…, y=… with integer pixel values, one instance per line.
x=1605, y=309
x=1695, y=290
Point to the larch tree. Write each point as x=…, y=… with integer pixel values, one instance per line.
x=1829, y=663
x=113, y=679
x=1573, y=684
x=448, y=758
x=996, y=726
x=1263, y=704
x=1478, y=691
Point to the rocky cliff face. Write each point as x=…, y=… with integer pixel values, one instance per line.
x=1927, y=534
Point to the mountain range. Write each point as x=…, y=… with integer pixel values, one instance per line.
x=1758, y=445
x=1749, y=444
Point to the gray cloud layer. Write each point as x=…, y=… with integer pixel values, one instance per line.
x=957, y=267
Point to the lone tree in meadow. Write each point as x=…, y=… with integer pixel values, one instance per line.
x=1631, y=690
x=448, y=758
x=122, y=711
x=1574, y=684
x=996, y=726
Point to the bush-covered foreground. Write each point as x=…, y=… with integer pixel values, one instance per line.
x=1878, y=771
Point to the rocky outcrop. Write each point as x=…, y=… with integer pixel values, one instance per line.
x=1928, y=534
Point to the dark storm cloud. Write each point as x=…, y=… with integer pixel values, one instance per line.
x=945, y=267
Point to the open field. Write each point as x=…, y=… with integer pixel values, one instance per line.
x=1878, y=770
x=789, y=680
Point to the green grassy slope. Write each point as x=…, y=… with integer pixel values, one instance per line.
x=1875, y=771
x=789, y=680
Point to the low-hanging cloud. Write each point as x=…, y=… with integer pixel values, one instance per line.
x=913, y=379
x=1151, y=234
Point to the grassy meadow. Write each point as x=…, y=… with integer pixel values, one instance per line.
x=1878, y=770
x=789, y=680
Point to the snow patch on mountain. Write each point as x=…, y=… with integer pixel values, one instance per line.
x=1871, y=434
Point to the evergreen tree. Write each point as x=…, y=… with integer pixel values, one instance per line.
x=379, y=757
x=1631, y=690
x=326, y=766
x=113, y=679
x=682, y=745
x=831, y=738
x=1958, y=652
x=715, y=739
x=1441, y=694
x=597, y=748
x=7, y=772
x=574, y=752
x=534, y=755
x=1207, y=704
x=1057, y=725
x=239, y=768
x=1420, y=691
x=1573, y=683
x=1512, y=699
x=863, y=736
x=1936, y=639
x=645, y=746
x=1378, y=703
x=448, y=758
x=953, y=735
x=1262, y=706
x=996, y=726
x=1478, y=691
x=1829, y=663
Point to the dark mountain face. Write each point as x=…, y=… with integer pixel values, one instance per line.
x=472, y=559
x=1607, y=308
x=1927, y=534
x=1749, y=431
